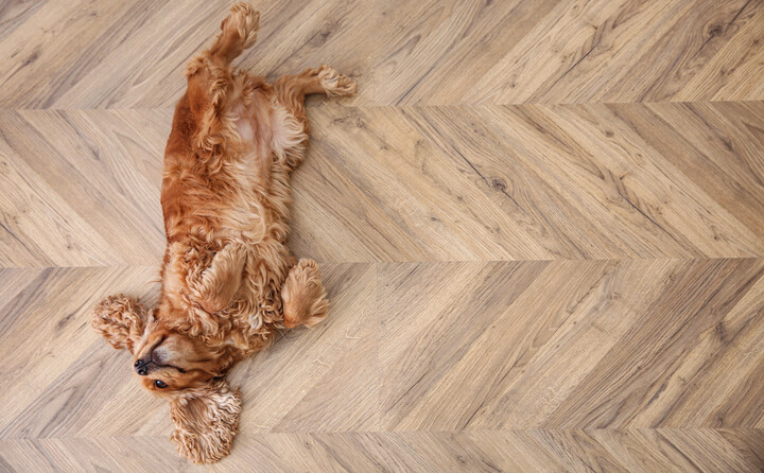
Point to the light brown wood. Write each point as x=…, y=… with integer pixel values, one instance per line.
x=540, y=225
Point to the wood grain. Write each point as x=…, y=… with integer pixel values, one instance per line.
x=540, y=224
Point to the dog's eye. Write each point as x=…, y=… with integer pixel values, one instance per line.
x=160, y=384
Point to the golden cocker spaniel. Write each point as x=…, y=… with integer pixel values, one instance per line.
x=229, y=282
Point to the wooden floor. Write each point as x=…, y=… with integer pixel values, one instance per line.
x=541, y=225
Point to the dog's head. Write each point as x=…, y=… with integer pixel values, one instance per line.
x=182, y=369
x=168, y=361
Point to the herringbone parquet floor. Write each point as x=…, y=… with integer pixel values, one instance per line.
x=541, y=225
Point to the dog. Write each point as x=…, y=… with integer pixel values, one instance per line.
x=229, y=282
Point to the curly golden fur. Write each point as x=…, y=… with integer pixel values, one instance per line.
x=229, y=282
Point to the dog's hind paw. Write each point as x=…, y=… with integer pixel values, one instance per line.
x=303, y=296
x=336, y=84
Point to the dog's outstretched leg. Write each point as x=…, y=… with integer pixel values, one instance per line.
x=292, y=89
x=303, y=296
x=238, y=32
x=326, y=80
x=212, y=84
x=290, y=93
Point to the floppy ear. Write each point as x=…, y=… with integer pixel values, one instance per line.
x=206, y=420
x=121, y=320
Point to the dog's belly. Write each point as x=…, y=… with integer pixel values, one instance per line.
x=245, y=217
x=257, y=174
x=248, y=206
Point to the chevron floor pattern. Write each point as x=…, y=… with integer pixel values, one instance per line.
x=541, y=226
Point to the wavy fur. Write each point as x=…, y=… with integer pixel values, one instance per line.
x=229, y=282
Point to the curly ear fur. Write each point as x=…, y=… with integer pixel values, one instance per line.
x=206, y=420
x=121, y=320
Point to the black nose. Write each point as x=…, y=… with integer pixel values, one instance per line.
x=140, y=368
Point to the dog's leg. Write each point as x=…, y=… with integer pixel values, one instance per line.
x=290, y=93
x=325, y=80
x=292, y=89
x=212, y=88
x=238, y=32
x=303, y=296
x=215, y=286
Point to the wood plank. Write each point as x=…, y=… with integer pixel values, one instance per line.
x=541, y=226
